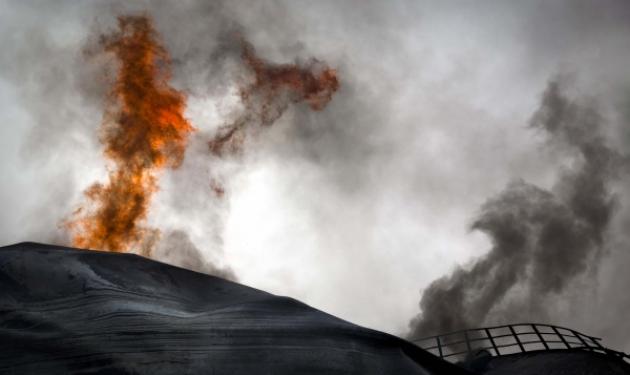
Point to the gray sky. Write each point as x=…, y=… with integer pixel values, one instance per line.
x=357, y=208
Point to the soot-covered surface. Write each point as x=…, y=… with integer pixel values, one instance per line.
x=64, y=311
x=556, y=362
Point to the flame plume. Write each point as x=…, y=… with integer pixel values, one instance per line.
x=273, y=88
x=144, y=131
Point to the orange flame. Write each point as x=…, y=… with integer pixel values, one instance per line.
x=273, y=89
x=144, y=131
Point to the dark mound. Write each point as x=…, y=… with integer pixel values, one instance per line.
x=64, y=311
x=557, y=362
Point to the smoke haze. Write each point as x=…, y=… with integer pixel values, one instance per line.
x=437, y=126
x=542, y=240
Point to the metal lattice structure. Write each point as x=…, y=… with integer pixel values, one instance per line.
x=510, y=339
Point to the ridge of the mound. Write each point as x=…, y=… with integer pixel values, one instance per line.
x=65, y=310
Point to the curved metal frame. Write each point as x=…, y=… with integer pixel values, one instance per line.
x=510, y=339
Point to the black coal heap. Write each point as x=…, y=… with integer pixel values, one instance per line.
x=64, y=310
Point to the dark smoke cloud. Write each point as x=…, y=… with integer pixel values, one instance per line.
x=542, y=240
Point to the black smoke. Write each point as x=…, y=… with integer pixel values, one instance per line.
x=542, y=239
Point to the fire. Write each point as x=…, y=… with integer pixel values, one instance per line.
x=273, y=88
x=144, y=131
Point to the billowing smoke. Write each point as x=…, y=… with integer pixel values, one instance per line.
x=266, y=93
x=268, y=96
x=542, y=240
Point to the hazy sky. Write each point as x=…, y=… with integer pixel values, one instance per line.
x=357, y=208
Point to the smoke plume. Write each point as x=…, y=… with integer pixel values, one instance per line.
x=272, y=89
x=144, y=131
x=542, y=240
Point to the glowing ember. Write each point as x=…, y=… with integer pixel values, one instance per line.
x=143, y=132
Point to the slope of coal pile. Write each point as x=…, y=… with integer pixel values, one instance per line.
x=64, y=311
